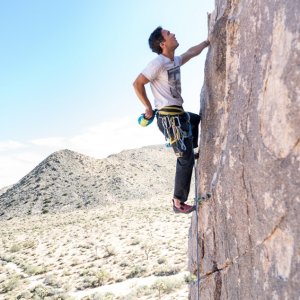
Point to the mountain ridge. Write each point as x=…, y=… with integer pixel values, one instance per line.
x=67, y=180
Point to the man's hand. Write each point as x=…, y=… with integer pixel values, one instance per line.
x=207, y=42
x=148, y=113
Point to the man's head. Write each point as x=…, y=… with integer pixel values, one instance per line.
x=162, y=39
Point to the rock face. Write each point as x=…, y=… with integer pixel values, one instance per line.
x=248, y=232
x=67, y=180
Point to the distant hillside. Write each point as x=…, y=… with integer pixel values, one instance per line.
x=67, y=180
x=4, y=189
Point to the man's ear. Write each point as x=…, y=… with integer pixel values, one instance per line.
x=161, y=44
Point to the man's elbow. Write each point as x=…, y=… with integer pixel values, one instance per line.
x=137, y=84
x=136, y=87
x=134, y=84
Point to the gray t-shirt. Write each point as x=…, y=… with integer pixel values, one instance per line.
x=164, y=77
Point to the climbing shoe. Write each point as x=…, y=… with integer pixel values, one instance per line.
x=184, y=208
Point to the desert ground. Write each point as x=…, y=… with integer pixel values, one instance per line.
x=123, y=250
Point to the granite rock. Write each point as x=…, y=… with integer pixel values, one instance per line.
x=248, y=231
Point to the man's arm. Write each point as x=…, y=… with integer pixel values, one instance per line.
x=194, y=51
x=139, y=87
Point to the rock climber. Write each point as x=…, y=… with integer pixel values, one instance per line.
x=180, y=128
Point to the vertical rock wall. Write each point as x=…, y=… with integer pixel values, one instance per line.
x=248, y=232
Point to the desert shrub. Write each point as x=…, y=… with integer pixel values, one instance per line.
x=124, y=264
x=6, y=258
x=161, y=260
x=140, y=291
x=102, y=276
x=15, y=248
x=84, y=272
x=148, y=248
x=34, y=270
x=52, y=281
x=24, y=295
x=107, y=296
x=190, y=278
x=45, y=210
x=135, y=241
x=166, y=270
x=75, y=261
x=42, y=291
x=10, y=284
x=95, y=278
x=160, y=287
x=89, y=282
x=136, y=272
x=109, y=251
x=166, y=286
x=27, y=244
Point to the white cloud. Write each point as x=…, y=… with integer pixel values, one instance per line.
x=11, y=145
x=98, y=141
x=115, y=136
x=49, y=142
x=12, y=169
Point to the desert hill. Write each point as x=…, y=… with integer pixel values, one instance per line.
x=133, y=249
x=67, y=180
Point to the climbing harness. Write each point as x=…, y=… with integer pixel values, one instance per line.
x=172, y=127
x=171, y=111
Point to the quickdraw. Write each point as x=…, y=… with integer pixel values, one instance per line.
x=173, y=132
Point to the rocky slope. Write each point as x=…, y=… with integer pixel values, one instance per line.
x=250, y=154
x=4, y=189
x=67, y=180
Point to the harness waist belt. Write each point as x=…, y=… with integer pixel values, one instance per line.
x=171, y=111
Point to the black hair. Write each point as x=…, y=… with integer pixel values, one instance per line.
x=155, y=39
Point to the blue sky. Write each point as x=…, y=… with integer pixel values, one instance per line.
x=66, y=73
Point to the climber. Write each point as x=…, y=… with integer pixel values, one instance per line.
x=180, y=128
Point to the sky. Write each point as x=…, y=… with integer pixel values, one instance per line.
x=66, y=74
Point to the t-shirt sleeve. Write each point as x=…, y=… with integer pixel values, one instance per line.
x=179, y=60
x=152, y=70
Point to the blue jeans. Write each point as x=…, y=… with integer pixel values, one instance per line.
x=185, y=162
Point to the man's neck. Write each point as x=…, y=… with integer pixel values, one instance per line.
x=169, y=54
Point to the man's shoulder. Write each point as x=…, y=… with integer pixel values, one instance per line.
x=158, y=60
x=163, y=60
x=154, y=66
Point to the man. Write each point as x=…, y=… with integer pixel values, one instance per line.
x=179, y=127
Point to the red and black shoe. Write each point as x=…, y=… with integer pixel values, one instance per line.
x=184, y=208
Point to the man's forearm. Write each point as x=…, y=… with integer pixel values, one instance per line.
x=194, y=51
x=140, y=90
x=142, y=95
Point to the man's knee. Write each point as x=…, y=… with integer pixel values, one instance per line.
x=194, y=119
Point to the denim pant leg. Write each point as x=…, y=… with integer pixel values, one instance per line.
x=184, y=170
x=184, y=164
x=195, y=120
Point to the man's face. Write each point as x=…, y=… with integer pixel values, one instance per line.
x=169, y=39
